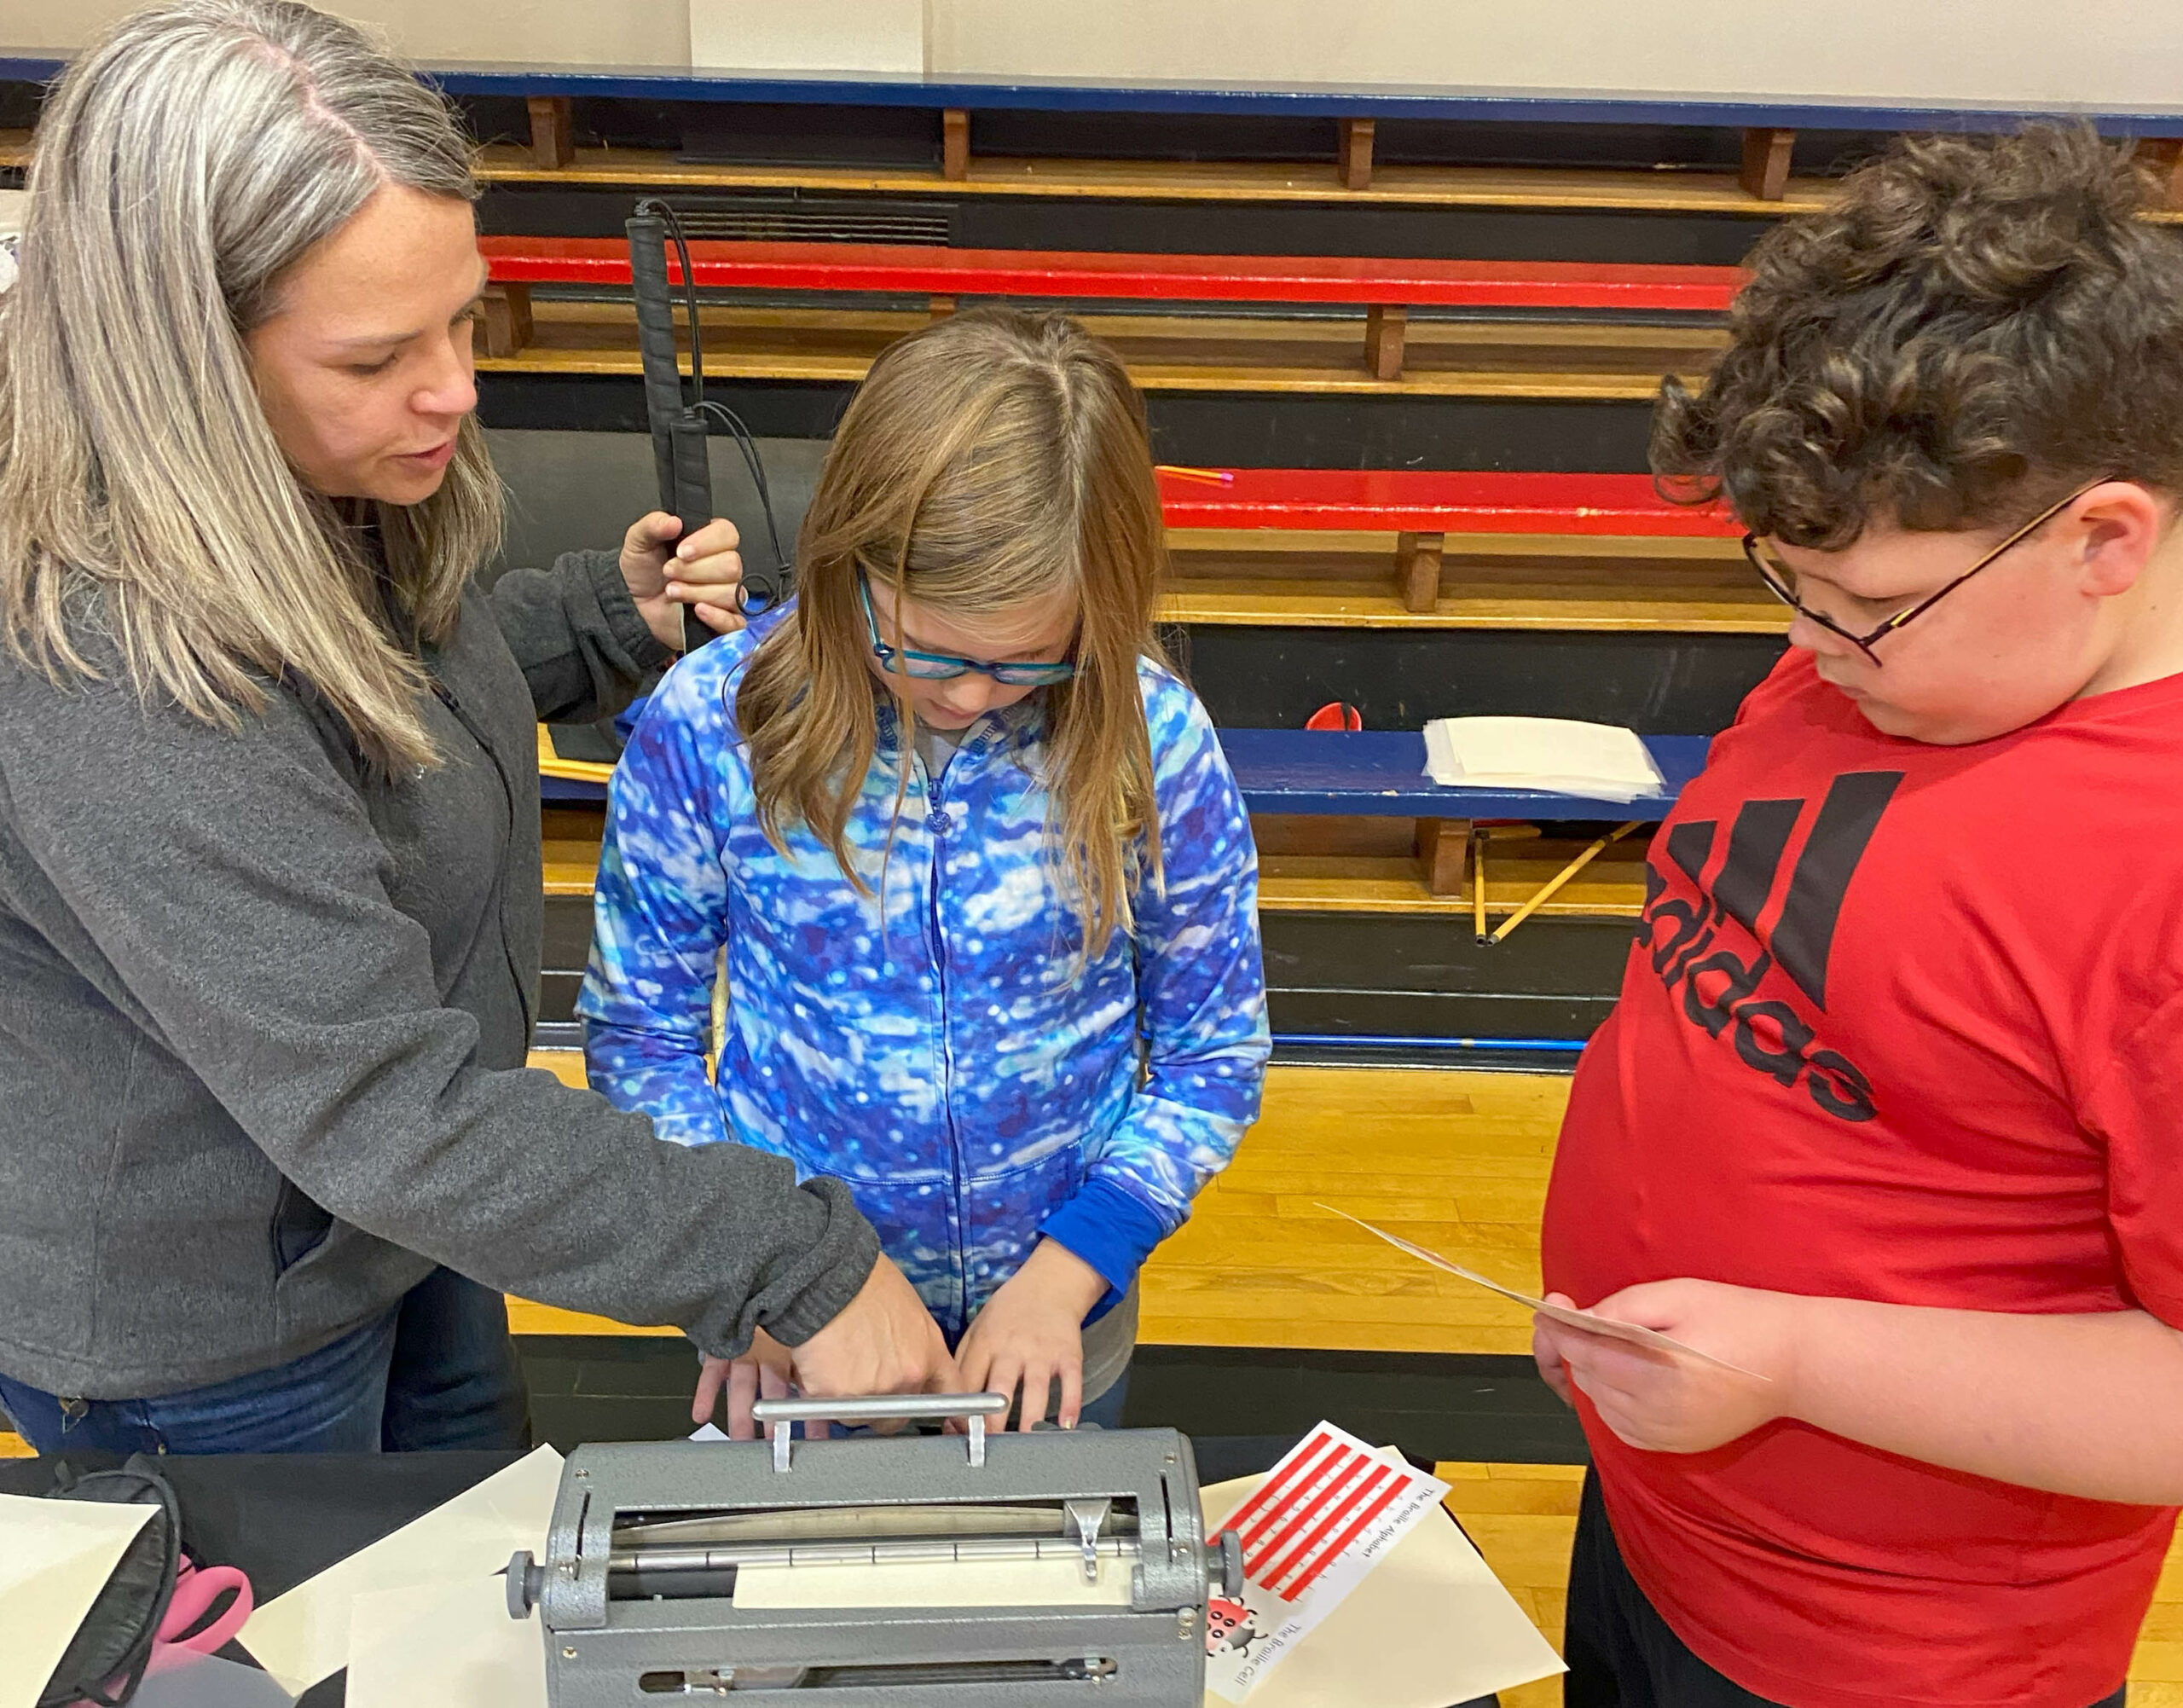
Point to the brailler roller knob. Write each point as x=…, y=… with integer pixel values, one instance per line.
x=526, y=1583
x=1230, y=1549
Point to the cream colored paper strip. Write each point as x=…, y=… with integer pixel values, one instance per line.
x=960, y=1583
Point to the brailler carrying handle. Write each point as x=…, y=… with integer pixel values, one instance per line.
x=879, y=1408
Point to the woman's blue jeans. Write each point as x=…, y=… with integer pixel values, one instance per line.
x=438, y=1371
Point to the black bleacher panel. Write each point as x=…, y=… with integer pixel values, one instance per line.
x=568, y=942
x=569, y=489
x=1356, y=975
x=1427, y=976
x=1213, y=430
x=1188, y=228
x=750, y=132
x=1335, y=227
x=1657, y=684
x=755, y=216
x=1327, y=430
x=615, y=402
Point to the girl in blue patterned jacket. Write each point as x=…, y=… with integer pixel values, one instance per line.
x=985, y=888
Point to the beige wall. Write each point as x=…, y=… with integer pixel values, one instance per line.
x=2111, y=52
x=608, y=31
x=2103, y=52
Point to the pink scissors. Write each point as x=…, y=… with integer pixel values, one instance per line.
x=195, y=1591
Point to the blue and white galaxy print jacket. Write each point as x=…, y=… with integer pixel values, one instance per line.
x=930, y=1043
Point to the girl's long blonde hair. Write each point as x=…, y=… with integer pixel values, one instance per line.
x=994, y=458
x=182, y=166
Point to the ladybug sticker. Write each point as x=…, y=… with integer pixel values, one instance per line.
x=1228, y=1626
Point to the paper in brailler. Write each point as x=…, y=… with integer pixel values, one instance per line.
x=1323, y=1518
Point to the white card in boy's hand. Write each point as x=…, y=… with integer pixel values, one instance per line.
x=1586, y=1321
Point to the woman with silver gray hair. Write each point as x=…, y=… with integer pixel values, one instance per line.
x=269, y=885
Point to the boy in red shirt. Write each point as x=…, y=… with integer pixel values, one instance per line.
x=1890, y=1111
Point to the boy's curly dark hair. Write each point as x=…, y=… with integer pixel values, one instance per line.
x=1973, y=328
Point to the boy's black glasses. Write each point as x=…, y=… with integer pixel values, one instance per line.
x=1781, y=581
x=940, y=666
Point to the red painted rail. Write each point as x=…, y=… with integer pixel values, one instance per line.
x=1430, y=501
x=884, y=267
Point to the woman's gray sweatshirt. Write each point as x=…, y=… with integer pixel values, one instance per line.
x=263, y=1023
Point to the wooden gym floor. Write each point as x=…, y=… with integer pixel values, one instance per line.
x=1457, y=1161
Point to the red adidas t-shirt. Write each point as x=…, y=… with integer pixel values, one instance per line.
x=1905, y=1023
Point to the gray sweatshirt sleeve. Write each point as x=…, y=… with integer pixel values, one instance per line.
x=577, y=634
x=227, y=891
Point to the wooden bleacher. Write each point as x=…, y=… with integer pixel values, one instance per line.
x=1537, y=550
x=1376, y=864
x=1766, y=130
x=1164, y=353
x=1315, y=797
x=1567, y=188
x=1320, y=549
x=1757, y=177
x=1356, y=281
x=1622, y=354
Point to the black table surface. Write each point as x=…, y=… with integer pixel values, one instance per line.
x=285, y=1517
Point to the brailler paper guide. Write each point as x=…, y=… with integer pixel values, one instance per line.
x=1325, y=1516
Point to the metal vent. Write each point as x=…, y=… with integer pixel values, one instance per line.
x=815, y=219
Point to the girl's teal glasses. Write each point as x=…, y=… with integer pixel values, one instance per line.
x=938, y=666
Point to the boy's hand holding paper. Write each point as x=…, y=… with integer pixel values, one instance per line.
x=1655, y=1388
x=1677, y=1404
x=1594, y=1322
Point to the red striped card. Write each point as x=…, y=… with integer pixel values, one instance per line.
x=1324, y=1517
x=1322, y=1498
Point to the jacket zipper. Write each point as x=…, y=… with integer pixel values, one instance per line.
x=960, y=1244
x=496, y=895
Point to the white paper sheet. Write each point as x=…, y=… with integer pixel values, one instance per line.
x=302, y=1636
x=1430, y=1626
x=1586, y=1320
x=1600, y=762
x=55, y=1558
x=444, y=1646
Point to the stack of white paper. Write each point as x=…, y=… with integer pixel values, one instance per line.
x=1599, y=761
x=306, y=1635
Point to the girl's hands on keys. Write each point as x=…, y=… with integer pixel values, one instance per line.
x=704, y=571
x=1030, y=1333
x=1664, y=1404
